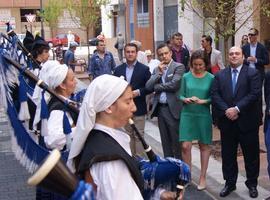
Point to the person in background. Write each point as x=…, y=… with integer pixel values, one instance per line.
x=101, y=62
x=244, y=40
x=152, y=62
x=180, y=54
x=215, y=56
x=136, y=74
x=256, y=56
x=236, y=93
x=120, y=46
x=141, y=57
x=195, y=94
x=69, y=57
x=70, y=38
x=165, y=82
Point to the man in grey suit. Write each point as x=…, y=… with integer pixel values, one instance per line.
x=165, y=82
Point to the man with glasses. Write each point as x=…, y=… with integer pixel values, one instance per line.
x=256, y=55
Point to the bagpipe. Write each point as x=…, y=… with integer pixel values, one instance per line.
x=169, y=173
x=54, y=175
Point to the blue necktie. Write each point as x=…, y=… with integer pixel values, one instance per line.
x=234, y=80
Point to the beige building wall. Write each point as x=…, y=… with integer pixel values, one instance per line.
x=10, y=9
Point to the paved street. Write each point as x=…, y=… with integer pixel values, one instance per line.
x=13, y=176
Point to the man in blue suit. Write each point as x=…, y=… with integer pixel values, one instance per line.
x=236, y=92
x=256, y=56
x=267, y=117
x=137, y=74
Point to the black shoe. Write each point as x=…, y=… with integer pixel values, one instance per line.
x=253, y=192
x=227, y=190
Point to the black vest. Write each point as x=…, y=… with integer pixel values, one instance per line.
x=100, y=147
x=55, y=104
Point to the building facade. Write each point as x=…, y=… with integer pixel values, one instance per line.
x=18, y=12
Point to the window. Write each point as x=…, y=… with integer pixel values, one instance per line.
x=142, y=13
x=142, y=6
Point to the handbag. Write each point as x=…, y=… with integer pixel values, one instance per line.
x=215, y=69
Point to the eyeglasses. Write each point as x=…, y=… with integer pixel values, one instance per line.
x=251, y=35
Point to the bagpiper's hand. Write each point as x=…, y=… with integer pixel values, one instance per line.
x=167, y=195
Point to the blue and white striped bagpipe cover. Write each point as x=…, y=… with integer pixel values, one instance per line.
x=26, y=150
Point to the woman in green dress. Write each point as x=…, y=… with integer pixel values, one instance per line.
x=196, y=120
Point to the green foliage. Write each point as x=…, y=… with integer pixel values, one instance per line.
x=51, y=12
x=266, y=10
x=88, y=11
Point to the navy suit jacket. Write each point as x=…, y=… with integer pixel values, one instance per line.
x=246, y=98
x=140, y=76
x=261, y=55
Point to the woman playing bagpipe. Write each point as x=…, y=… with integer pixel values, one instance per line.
x=58, y=124
x=100, y=153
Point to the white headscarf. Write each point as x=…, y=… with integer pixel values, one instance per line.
x=101, y=94
x=53, y=74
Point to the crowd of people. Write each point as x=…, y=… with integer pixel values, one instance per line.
x=192, y=90
x=188, y=91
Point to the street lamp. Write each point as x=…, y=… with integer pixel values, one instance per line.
x=41, y=20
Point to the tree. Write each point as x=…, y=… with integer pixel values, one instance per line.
x=227, y=17
x=51, y=13
x=86, y=13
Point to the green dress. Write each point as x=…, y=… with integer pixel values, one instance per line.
x=196, y=120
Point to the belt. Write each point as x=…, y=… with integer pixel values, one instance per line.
x=163, y=104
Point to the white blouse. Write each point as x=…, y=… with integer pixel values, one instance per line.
x=56, y=137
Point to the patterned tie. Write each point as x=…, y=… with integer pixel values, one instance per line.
x=234, y=80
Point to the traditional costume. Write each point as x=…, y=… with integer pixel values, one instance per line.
x=57, y=132
x=102, y=150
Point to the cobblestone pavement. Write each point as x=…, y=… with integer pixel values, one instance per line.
x=13, y=176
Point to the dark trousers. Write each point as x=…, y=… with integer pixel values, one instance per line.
x=249, y=142
x=169, y=132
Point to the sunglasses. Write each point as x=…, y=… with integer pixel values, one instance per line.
x=251, y=35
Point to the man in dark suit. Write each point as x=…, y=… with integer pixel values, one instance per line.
x=137, y=74
x=180, y=53
x=256, y=55
x=165, y=82
x=235, y=95
x=267, y=117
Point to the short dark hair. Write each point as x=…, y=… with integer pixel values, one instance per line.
x=131, y=45
x=177, y=34
x=161, y=46
x=200, y=54
x=208, y=38
x=39, y=51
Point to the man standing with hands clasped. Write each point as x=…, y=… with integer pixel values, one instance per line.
x=235, y=95
x=165, y=82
